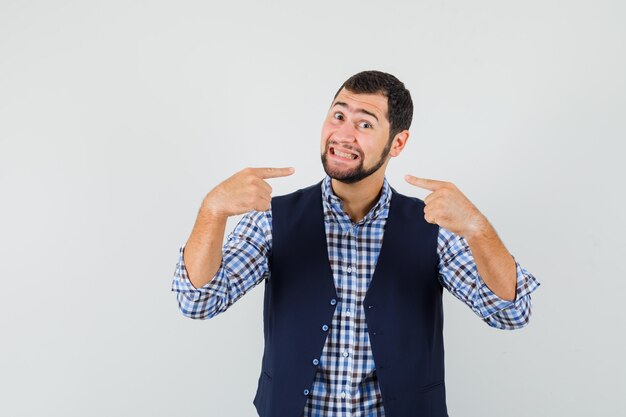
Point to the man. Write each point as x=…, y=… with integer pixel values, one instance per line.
x=353, y=270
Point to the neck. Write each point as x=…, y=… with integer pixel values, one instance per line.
x=359, y=198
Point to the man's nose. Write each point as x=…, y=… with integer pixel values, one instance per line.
x=345, y=133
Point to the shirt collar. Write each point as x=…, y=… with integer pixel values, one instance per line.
x=333, y=203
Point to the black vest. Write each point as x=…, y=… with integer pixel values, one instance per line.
x=403, y=309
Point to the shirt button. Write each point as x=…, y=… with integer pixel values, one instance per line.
x=306, y=392
x=316, y=362
x=343, y=394
x=333, y=302
x=347, y=313
x=325, y=328
x=349, y=269
x=345, y=354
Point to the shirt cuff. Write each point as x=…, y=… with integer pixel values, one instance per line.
x=490, y=304
x=182, y=284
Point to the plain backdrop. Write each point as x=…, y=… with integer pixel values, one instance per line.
x=117, y=117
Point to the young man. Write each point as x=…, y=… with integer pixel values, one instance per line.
x=353, y=270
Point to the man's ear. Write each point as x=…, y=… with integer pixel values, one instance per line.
x=399, y=141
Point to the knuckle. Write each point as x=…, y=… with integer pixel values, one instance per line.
x=251, y=201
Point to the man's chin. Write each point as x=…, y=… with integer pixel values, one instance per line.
x=345, y=177
x=348, y=180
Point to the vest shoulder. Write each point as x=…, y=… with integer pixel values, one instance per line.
x=406, y=200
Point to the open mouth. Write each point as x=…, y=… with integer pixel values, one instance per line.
x=343, y=154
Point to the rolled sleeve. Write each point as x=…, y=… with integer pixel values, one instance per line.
x=198, y=303
x=508, y=314
x=244, y=265
x=459, y=274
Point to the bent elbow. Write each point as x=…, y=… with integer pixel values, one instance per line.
x=513, y=318
x=199, y=310
x=195, y=315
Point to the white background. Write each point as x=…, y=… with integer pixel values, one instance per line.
x=116, y=118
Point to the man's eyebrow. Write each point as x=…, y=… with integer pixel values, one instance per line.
x=342, y=104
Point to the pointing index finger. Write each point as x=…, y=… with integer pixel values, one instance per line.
x=265, y=173
x=425, y=183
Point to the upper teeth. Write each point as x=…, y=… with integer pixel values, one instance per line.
x=345, y=155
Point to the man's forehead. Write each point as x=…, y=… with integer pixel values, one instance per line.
x=374, y=103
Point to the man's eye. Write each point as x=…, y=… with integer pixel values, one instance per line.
x=338, y=116
x=365, y=125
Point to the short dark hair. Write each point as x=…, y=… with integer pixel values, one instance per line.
x=399, y=103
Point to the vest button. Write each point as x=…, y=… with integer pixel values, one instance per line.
x=325, y=328
x=316, y=362
x=306, y=392
x=333, y=302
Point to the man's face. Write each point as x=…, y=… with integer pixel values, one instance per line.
x=355, y=136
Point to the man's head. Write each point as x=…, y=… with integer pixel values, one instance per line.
x=367, y=123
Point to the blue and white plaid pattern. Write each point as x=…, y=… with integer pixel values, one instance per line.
x=345, y=383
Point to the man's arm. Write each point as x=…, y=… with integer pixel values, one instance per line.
x=495, y=264
x=449, y=208
x=243, y=192
x=206, y=281
x=244, y=265
x=459, y=274
x=203, y=251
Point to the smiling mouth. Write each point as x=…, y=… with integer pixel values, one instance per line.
x=341, y=154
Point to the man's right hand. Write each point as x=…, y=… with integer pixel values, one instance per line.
x=245, y=191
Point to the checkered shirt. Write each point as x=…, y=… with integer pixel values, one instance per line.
x=345, y=384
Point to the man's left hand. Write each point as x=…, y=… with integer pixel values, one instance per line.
x=448, y=207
